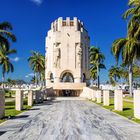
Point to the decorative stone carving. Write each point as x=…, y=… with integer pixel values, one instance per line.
x=79, y=55
x=56, y=57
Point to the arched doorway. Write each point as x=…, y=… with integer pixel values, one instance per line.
x=67, y=77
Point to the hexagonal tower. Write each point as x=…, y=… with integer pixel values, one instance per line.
x=67, y=52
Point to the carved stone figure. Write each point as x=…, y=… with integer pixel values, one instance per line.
x=56, y=57
x=79, y=55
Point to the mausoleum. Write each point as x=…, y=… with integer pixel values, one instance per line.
x=67, y=57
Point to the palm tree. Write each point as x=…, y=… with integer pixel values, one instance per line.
x=6, y=34
x=129, y=47
x=96, y=62
x=7, y=66
x=37, y=64
x=115, y=73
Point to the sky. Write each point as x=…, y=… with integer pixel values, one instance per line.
x=31, y=20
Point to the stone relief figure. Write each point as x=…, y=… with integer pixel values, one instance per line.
x=56, y=57
x=79, y=55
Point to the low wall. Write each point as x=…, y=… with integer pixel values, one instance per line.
x=87, y=93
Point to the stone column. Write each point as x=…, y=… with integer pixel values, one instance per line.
x=118, y=100
x=30, y=98
x=99, y=96
x=137, y=103
x=2, y=104
x=75, y=23
x=106, y=95
x=19, y=100
x=68, y=21
x=60, y=20
x=93, y=95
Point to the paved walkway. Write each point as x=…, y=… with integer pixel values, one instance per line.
x=70, y=119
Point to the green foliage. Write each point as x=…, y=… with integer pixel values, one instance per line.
x=37, y=64
x=96, y=62
x=9, y=94
x=117, y=72
x=5, y=36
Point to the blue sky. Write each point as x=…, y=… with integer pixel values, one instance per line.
x=31, y=19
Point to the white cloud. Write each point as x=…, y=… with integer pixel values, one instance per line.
x=38, y=2
x=16, y=59
x=29, y=75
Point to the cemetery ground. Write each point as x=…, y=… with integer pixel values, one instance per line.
x=69, y=118
x=10, y=110
x=128, y=108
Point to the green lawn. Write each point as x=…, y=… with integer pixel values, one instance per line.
x=129, y=98
x=127, y=112
x=9, y=94
x=10, y=109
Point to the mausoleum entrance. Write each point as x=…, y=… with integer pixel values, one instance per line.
x=68, y=93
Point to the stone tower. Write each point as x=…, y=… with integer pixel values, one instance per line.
x=67, y=52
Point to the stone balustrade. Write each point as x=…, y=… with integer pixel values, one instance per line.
x=99, y=96
x=106, y=97
x=30, y=98
x=118, y=100
x=95, y=95
x=137, y=103
x=19, y=100
x=87, y=93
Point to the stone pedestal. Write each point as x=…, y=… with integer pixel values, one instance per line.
x=19, y=100
x=2, y=104
x=106, y=94
x=137, y=104
x=93, y=95
x=99, y=96
x=30, y=98
x=118, y=100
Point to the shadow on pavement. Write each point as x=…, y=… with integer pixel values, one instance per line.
x=20, y=117
x=2, y=132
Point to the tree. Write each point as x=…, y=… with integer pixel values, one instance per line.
x=7, y=66
x=115, y=73
x=37, y=64
x=96, y=63
x=6, y=34
x=129, y=47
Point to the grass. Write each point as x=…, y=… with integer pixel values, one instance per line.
x=129, y=98
x=9, y=94
x=10, y=109
x=127, y=112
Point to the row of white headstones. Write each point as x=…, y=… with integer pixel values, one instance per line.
x=33, y=95
x=98, y=95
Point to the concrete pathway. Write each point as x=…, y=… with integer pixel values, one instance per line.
x=69, y=119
